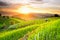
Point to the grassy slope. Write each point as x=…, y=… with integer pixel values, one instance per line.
x=7, y=21
x=47, y=32
x=31, y=22
x=27, y=23
x=18, y=33
x=21, y=31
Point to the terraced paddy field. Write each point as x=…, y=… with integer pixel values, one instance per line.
x=37, y=29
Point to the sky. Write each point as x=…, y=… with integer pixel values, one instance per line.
x=53, y=4
x=36, y=3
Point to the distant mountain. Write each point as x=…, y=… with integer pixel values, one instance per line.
x=42, y=15
x=33, y=16
x=28, y=16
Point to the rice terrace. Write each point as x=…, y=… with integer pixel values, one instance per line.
x=29, y=20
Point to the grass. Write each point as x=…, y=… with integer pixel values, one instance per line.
x=42, y=29
x=6, y=22
x=46, y=32
x=23, y=24
x=27, y=23
x=16, y=34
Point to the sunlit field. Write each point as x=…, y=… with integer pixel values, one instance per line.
x=38, y=29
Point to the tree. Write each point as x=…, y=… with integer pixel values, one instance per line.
x=56, y=15
x=4, y=16
x=7, y=17
x=0, y=14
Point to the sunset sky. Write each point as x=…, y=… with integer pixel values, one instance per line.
x=52, y=4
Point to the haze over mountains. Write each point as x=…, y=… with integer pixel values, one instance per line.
x=35, y=16
x=28, y=16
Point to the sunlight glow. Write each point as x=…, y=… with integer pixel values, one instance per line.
x=27, y=10
x=24, y=10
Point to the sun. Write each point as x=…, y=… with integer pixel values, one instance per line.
x=24, y=10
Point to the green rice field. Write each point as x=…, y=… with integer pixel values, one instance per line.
x=37, y=29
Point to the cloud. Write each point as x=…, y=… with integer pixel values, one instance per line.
x=3, y=3
x=55, y=4
x=37, y=3
x=52, y=1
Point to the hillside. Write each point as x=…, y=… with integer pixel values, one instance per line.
x=37, y=29
x=6, y=21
